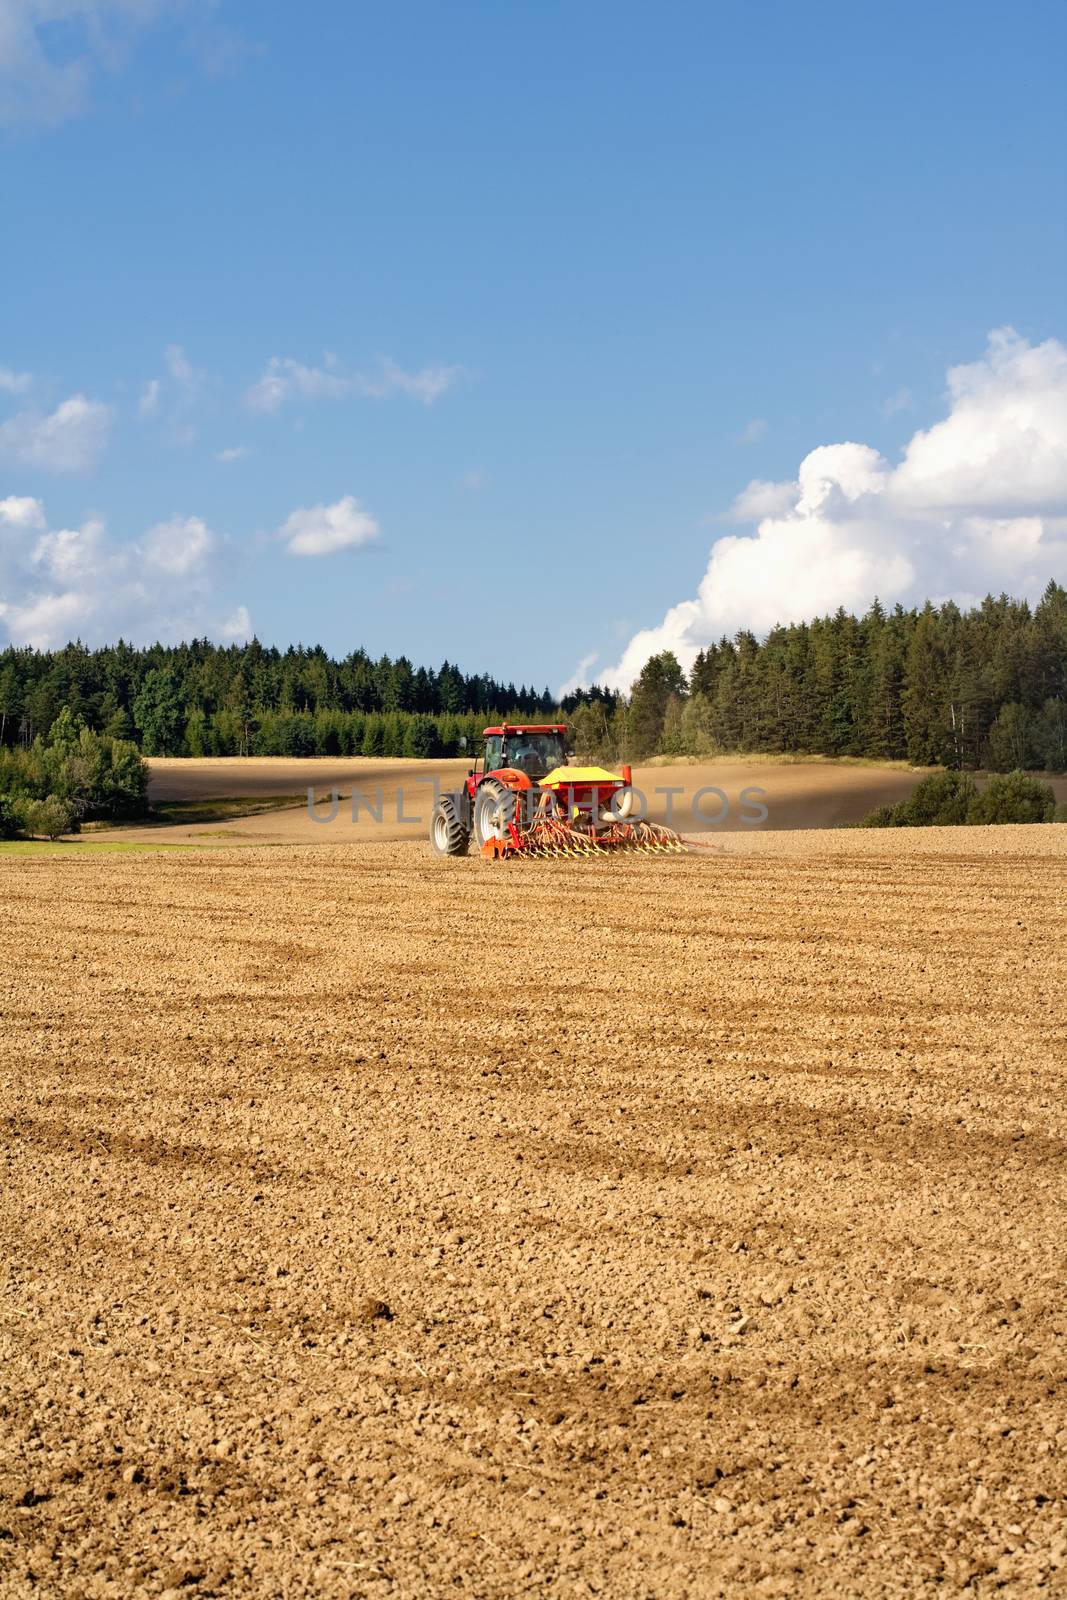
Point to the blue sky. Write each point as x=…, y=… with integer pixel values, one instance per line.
x=545, y=286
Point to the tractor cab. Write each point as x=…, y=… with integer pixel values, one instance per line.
x=534, y=750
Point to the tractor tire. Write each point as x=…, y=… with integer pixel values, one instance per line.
x=448, y=836
x=494, y=808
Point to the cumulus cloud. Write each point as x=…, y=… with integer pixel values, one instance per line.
x=323, y=530
x=285, y=379
x=236, y=452
x=760, y=499
x=58, y=583
x=70, y=439
x=977, y=503
x=752, y=432
x=177, y=547
x=21, y=512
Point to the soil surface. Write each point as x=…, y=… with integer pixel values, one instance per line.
x=376, y=1225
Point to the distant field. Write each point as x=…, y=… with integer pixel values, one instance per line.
x=815, y=794
x=379, y=1225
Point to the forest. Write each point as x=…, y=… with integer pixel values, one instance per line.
x=981, y=688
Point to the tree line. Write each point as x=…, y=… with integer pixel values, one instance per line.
x=979, y=688
x=201, y=699
x=936, y=686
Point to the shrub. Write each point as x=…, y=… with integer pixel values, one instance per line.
x=882, y=817
x=1014, y=797
x=50, y=817
x=1060, y=813
x=940, y=801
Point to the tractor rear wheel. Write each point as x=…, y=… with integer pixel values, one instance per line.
x=448, y=836
x=494, y=808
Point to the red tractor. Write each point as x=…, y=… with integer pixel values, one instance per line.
x=527, y=800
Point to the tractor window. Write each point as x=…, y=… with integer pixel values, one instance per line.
x=493, y=747
x=536, y=753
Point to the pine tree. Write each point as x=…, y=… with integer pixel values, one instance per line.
x=660, y=678
x=925, y=698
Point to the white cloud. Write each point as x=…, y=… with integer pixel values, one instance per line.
x=14, y=382
x=978, y=503
x=761, y=499
x=236, y=452
x=238, y=627
x=21, y=512
x=284, y=379
x=69, y=440
x=71, y=555
x=1003, y=447
x=322, y=530
x=426, y=385
x=582, y=675
x=752, y=432
x=177, y=547
x=51, y=50
x=56, y=583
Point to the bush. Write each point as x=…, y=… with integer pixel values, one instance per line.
x=882, y=817
x=950, y=798
x=940, y=801
x=1014, y=797
x=49, y=817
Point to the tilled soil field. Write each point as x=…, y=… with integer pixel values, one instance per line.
x=378, y=1225
x=396, y=797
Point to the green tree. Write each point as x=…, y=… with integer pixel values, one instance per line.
x=660, y=678
x=50, y=817
x=420, y=739
x=157, y=713
x=11, y=822
x=926, y=729
x=1050, y=735
x=373, y=736
x=1010, y=743
x=10, y=702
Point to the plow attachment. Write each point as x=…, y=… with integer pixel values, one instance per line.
x=549, y=837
